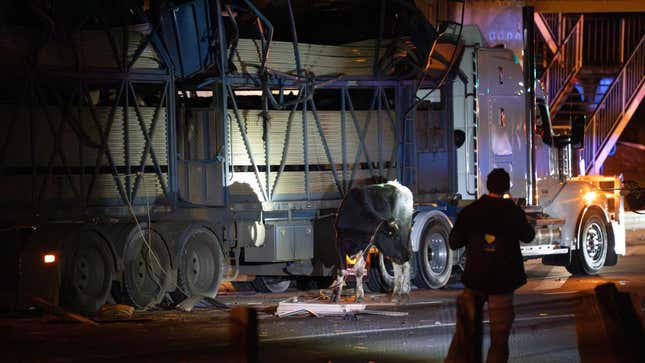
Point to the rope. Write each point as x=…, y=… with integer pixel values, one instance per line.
x=149, y=252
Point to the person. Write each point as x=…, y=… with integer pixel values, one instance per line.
x=490, y=229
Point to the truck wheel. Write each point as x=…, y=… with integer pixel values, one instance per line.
x=201, y=263
x=590, y=257
x=273, y=284
x=147, y=262
x=434, y=258
x=87, y=273
x=380, y=274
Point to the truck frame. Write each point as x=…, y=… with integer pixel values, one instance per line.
x=154, y=168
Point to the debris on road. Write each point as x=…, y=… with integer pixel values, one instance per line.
x=115, y=312
x=189, y=303
x=57, y=310
x=317, y=309
x=383, y=313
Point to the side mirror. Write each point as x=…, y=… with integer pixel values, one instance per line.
x=544, y=124
x=578, y=131
x=459, y=138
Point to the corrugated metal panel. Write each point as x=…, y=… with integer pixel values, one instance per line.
x=330, y=122
x=351, y=59
x=95, y=51
x=106, y=189
x=291, y=184
x=58, y=186
x=20, y=140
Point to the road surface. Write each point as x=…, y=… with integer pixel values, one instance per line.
x=544, y=328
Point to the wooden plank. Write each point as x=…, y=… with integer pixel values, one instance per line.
x=57, y=310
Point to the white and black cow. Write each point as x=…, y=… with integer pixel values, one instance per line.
x=379, y=215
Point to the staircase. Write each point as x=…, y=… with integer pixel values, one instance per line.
x=615, y=110
x=595, y=71
x=557, y=78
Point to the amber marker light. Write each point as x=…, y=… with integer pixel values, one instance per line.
x=589, y=197
x=49, y=258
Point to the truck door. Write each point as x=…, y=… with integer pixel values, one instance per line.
x=200, y=153
x=501, y=130
x=433, y=141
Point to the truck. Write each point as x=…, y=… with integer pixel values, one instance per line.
x=144, y=162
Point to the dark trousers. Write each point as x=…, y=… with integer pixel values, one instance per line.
x=466, y=345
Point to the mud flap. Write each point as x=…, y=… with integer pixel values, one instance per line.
x=563, y=259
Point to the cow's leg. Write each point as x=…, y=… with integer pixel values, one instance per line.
x=398, y=273
x=405, y=279
x=401, y=292
x=360, y=273
x=338, y=286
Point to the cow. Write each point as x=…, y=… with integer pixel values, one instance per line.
x=377, y=215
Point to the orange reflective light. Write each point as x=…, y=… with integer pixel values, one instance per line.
x=49, y=258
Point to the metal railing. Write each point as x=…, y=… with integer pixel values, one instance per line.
x=614, y=110
x=549, y=29
x=554, y=23
x=566, y=63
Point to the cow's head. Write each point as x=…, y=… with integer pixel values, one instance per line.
x=393, y=240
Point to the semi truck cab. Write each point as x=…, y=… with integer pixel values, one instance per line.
x=578, y=220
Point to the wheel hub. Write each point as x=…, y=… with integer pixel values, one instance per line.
x=437, y=253
x=195, y=268
x=140, y=275
x=593, y=241
x=82, y=274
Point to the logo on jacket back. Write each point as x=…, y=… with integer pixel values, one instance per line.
x=489, y=246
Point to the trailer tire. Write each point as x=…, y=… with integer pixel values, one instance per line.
x=201, y=263
x=87, y=273
x=434, y=258
x=380, y=274
x=591, y=254
x=146, y=278
x=271, y=284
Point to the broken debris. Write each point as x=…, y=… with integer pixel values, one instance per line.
x=317, y=309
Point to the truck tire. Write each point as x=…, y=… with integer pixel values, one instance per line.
x=434, y=258
x=87, y=273
x=271, y=284
x=380, y=274
x=146, y=278
x=201, y=263
x=591, y=254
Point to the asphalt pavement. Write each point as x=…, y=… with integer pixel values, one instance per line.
x=544, y=328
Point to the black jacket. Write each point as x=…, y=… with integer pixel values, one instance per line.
x=491, y=229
